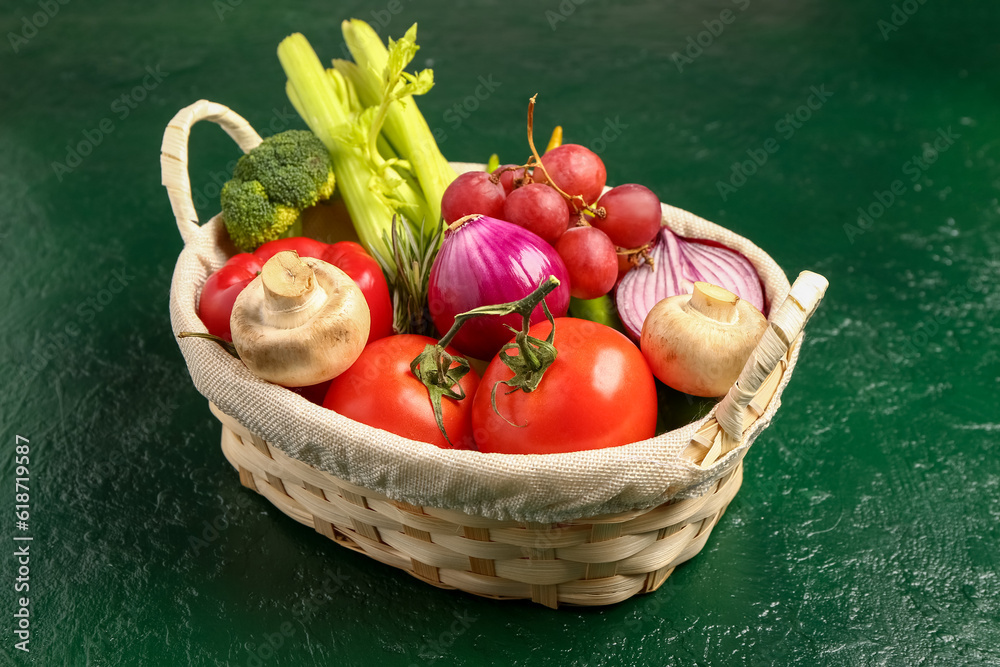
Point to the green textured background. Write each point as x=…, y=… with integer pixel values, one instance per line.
x=866, y=532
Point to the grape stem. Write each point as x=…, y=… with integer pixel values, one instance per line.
x=634, y=256
x=639, y=256
x=518, y=182
x=536, y=162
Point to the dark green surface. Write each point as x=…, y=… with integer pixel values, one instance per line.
x=866, y=532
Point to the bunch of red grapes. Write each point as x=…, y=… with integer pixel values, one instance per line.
x=594, y=233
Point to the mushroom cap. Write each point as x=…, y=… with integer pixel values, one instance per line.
x=699, y=343
x=300, y=322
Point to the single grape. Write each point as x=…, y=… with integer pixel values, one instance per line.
x=576, y=170
x=633, y=215
x=472, y=192
x=538, y=208
x=509, y=176
x=590, y=257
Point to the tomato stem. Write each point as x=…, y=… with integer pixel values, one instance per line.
x=523, y=307
x=433, y=366
x=226, y=345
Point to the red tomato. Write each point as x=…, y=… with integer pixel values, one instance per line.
x=379, y=390
x=305, y=246
x=221, y=289
x=215, y=306
x=599, y=392
x=352, y=259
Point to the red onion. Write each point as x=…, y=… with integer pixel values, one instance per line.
x=678, y=263
x=482, y=262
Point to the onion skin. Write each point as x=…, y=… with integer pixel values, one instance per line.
x=484, y=261
x=679, y=263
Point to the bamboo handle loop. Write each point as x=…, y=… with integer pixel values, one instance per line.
x=174, y=155
x=784, y=327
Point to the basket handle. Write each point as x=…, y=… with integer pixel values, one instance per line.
x=174, y=155
x=784, y=327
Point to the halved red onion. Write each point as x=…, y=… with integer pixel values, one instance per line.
x=679, y=263
x=482, y=262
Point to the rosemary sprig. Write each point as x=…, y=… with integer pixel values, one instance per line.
x=408, y=272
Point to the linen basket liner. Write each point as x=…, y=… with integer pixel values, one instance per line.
x=540, y=488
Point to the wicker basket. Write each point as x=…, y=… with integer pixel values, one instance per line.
x=586, y=560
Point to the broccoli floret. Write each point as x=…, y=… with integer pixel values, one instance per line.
x=253, y=219
x=271, y=186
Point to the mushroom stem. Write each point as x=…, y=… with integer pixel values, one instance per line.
x=714, y=302
x=290, y=286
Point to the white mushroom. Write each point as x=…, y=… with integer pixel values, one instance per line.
x=698, y=343
x=302, y=321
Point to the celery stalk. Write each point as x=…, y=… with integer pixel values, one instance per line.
x=390, y=178
x=346, y=89
x=314, y=95
x=380, y=82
